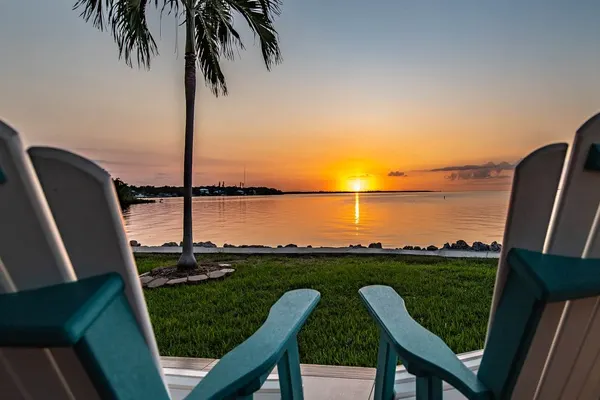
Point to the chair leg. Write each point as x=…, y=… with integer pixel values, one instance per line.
x=290, y=378
x=386, y=370
x=429, y=388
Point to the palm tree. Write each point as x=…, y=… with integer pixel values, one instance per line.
x=209, y=36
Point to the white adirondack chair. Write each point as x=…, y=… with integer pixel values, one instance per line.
x=564, y=358
x=60, y=222
x=554, y=210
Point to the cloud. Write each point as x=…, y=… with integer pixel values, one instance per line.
x=120, y=163
x=397, y=174
x=488, y=170
x=475, y=174
x=502, y=166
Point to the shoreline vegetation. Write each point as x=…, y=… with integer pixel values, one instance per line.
x=450, y=297
x=130, y=194
x=214, y=190
x=126, y=196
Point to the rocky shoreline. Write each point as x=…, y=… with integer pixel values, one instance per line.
x=458, y=245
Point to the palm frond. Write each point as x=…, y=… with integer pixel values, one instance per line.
x=217, y=13
x=92, y=9
x=271, y=6
x=126, y=20
x=170, y=6
x=209, y=51
x=258, y=14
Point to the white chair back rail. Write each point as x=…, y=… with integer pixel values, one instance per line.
x=27, y=224
x=84, y=204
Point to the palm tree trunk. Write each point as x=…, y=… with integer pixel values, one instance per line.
x=187, y=259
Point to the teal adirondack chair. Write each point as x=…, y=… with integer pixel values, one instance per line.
x=73, y=319
x=544, y=330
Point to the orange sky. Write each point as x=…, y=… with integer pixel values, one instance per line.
x=414, y=87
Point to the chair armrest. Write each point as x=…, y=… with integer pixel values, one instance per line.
x=244, y=369
x=421, y=352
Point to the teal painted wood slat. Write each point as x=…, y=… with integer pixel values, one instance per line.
x=429, y=388
x=290, y=377
x=556, y=278
x=386, y=369
x=257, y=356
x=117, y=358
x=592, y=163
x=517, y=316
x=55, y=316
x=422, y=352
x=253, y=386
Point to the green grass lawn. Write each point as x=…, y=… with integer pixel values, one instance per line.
x=450, y=297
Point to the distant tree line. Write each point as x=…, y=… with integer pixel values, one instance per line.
x=126, y=194
x=177, y=191
x=130, y=194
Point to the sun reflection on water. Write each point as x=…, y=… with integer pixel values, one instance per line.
x=356, y=209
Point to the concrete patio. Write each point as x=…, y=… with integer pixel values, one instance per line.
x=321, y=382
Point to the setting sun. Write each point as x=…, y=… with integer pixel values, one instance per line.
x=362, y=182
x=358, y=184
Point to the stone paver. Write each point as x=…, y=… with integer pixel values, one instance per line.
x=149, y=281
x=177, y=281
x=158, y=282
x=197, y=278
x=224, y=265
x=146, y=279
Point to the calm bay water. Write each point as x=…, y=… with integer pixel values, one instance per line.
x=394, y=219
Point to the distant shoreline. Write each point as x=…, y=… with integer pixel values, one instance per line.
x=149, y=198
x=365, y=191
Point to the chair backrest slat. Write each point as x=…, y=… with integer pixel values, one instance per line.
x=27, y=221
x=588, y=360
x=591, y=387
x=535, y=182
x=84, y=205
x=10, y=384
x=27, y=224
x=71, y=368
x=564, y=326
